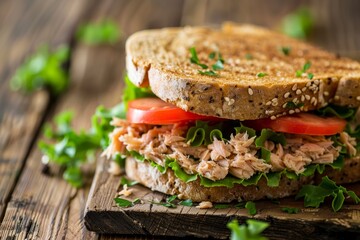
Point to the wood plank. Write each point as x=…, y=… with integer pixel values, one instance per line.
x=47, y=207
x=24, y=25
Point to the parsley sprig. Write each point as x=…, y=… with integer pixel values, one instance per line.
x=219, y=64
x=306, y=67
x=104, y=32
x=298, y=24
x=71, y=149
x=44, y=69
x=251, y=231
x=122, y=202
x=316, y=195
x=285, y=50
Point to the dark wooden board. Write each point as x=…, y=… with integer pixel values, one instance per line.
x=103, y=216
x=36, y=206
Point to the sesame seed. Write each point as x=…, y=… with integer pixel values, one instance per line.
x=295, y=100
x=298, y=91
x=286, y=95
x=229, y=101
x=268, y=103
x=268, y=112
x=326, y=93
x=297, y=110
x=315, y=103
x=317, y=82
x=302, y=98
x=272, y=117
x=275, y=103
x=250, y=91
x=303, y=89
x=284, y=105
x=291, y=111
x=313, y=100
x=336, y=97
x=307, y=97
x=274, y=100
x=294, y=87
x=358, y=98
x=308, y=84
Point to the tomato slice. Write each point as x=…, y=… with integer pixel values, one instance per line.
x=301, y=123
x=155, y=111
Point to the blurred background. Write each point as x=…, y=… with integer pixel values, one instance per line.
x=69, y=54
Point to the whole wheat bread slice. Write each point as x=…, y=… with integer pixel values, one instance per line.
x=161, y=59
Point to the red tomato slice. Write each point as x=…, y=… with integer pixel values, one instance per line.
x=155, y=111
x=301, y=123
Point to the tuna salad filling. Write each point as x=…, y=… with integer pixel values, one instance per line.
x=242, y=155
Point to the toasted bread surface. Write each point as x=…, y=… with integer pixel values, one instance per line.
x=161, y=59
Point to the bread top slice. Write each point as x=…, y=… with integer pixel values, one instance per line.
x=161, y=59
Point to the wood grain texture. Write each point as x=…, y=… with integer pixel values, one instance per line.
x=24, y=25
x=102, y=215
x=46, y=207
x=335, y=22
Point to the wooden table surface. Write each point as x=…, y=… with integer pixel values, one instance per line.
x=38, y=206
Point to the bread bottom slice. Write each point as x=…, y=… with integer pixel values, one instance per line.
x=168, y=183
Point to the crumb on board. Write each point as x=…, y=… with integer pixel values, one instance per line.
x=205, y=205
x=126, y=191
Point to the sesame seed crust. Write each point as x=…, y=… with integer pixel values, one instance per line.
x=237, y=93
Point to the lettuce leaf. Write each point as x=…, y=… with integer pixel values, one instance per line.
x=203, y=133
x=341, y=112
x=316, y=195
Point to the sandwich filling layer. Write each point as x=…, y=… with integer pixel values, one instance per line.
x=239, y=156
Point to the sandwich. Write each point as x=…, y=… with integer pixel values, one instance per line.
x=237, y=113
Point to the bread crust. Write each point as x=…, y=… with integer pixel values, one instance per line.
x=161, y=59
x=168, y=183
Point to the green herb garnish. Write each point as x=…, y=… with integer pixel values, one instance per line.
x=219, y=65
x=251, y=231
x=251, y=207
x=290, y=210
x=121, y=202
x=248, y=56
x=292, y=105
x=169, y=202
x=45, y=69
x=261, y=74
x=212, y=55
x=208, y=73
x=315, y=195
x=129, y=183
x=187, y=203
x=71, y=149
x=194, y=59
x=105, y=32
x=298, y=24
x=221, y=206
x=306, y=67
x=285, y=50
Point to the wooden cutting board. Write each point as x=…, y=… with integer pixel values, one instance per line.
x=103, y=216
